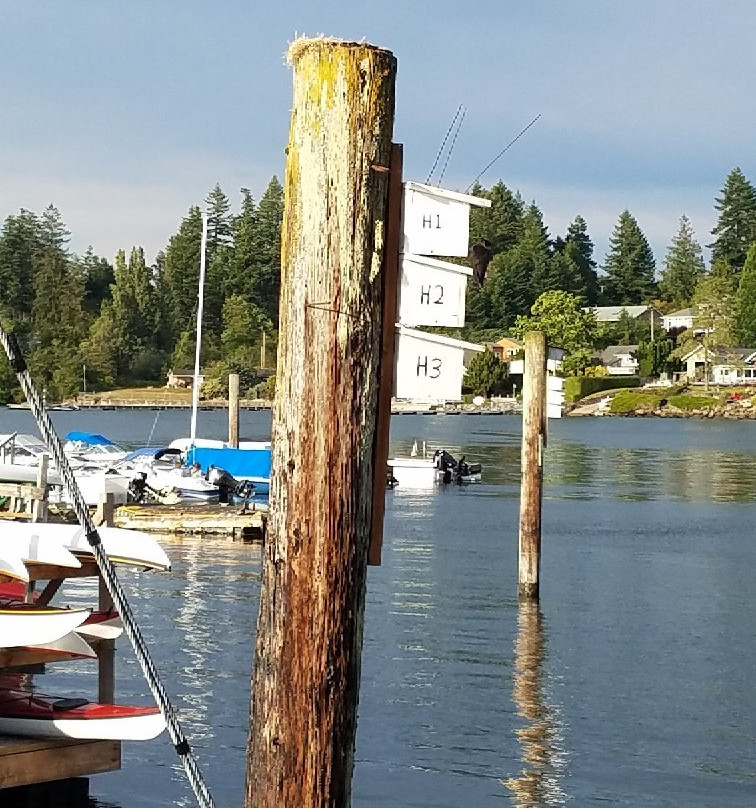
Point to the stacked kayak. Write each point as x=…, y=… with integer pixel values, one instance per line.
x=30, y=551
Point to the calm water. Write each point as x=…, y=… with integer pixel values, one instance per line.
x=633, y=684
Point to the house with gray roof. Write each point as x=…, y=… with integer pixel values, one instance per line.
x=619, y=360
x=725, y=365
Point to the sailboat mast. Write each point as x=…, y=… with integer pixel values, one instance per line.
x=200, y=305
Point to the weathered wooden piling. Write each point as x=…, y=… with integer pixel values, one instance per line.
x=309, y=638
x=233, y=410
x=533, y=433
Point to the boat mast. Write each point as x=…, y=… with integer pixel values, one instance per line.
x=200, y=301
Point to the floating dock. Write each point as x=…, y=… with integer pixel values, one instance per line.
x=219, y=520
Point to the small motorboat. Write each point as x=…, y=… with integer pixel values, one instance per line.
x=36, y=715
x=425, y=472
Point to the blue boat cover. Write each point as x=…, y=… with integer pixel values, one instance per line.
x=239, y=463
x=91, y=438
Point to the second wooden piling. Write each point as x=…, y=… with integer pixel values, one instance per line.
x=533, y=434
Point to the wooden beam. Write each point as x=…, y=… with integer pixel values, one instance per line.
x=388, y=340
x=25, y=761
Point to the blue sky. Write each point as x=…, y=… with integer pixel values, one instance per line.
x=123, y=114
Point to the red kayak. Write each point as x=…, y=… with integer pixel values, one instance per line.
x=35, y=715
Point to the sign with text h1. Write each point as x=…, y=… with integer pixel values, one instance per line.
x=436, y=221
x=429, y=367
x=432, y=292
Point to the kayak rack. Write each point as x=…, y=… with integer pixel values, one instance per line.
x=107, y=571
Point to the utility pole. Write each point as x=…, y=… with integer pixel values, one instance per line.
x=309, y=636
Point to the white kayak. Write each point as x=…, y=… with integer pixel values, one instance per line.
x=72, y=646
x=27, y=624
x=36, y=715
x=12, y=567
x=36, y=549
x=121, y=545
x=101, y=626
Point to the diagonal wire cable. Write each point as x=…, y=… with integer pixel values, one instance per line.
x=511, y=143
x=451, y=146
x=107, y=570
x=443, y=143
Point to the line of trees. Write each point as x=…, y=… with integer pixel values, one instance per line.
x=83, y=321
x=127, y=323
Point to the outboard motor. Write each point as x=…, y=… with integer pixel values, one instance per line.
x=229, y=486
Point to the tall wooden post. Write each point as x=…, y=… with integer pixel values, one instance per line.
x=309, y=637
x=233, y=410
x=533, y=431
x=105, y=515
x=39, y=506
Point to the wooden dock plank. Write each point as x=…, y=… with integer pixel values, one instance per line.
x=24, y=761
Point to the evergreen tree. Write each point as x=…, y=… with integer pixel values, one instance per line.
x=683, y=267
x=19, y=244
x=486, y=374
x=501, y=224
x=629, y=266
x=53, y=232
x=266, y=269
x=219, y=221
x=745, y=302
x=735, y=230
x=98, y=278
x=242, y=258
x=578, y=249
x=179, y=275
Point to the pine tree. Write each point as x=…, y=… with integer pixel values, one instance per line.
x=629, y=266
x=19, y=244
x=52, y=230
x=578, y=249
x=179, y=275
x=532, y=251
x=683, y=267
x=266, y=269
x=736, y=227
x=745, y=302
x=98, y=278
x=501, y=224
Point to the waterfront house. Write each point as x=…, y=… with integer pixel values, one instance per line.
x=620, y=360
x=726, y=365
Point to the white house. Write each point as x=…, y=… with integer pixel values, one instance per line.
x=612, y=314
x=619, y=360
x=554, y=362
x=682, y=318
x=726, y=365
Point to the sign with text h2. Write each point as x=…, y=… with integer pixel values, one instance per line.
x=432, y=292
x=429, y=367
x=436, y=221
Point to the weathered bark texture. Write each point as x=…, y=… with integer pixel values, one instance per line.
x=309, y=637
x=533, y=423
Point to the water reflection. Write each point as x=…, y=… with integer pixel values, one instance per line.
x=543, y=757
x=583, y=471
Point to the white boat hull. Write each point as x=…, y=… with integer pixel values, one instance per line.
x=124, y=546
x=31, y=626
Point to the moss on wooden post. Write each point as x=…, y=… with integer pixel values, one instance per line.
x=309, y=638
